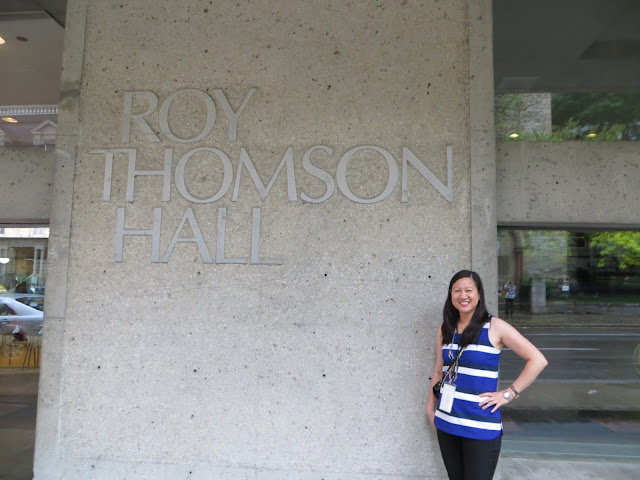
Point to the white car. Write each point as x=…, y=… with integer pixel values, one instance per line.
x=33, y=300
x=14, y=312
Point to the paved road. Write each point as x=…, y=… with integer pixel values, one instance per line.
x=581, y=355
x=585, y=404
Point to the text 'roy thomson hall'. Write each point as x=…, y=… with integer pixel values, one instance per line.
x=231, y=176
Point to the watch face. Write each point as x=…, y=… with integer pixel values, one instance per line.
x=507, y=394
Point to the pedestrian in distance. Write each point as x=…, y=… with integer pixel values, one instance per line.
x=510, y=292
x=467, y=413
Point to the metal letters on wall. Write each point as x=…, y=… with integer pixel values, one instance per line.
x=129, y=120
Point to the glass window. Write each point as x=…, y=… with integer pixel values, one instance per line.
x=5, y=310
x=28, y=125
x=23, y=269
x=34, y=301
x=567, y=116
x=576, y=296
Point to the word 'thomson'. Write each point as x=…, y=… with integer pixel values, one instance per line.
x=245, y=162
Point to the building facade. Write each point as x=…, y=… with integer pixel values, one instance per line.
x=255, y=211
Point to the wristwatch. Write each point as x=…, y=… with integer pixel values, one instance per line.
x=507, y=394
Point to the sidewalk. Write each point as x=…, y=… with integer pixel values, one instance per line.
x=17, y=422
x=555, y=429
x=577, y=427
x=539, y=443
x=510, y=468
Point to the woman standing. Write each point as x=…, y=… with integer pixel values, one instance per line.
x=510, y=292
x=467, y=415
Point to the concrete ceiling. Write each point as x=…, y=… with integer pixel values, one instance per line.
x=542, y=45
x=30, y=60
x=30, y=66
x=566, y=45
x=57, y=9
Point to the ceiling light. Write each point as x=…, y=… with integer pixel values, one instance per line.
x=2, y=41
x=9, y=119
x=591, y=134
x=514, y=135
x=4, y=260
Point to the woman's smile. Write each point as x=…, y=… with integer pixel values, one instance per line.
x=464, y=295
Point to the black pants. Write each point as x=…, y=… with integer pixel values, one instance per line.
x=509, y=304
x=469, y=459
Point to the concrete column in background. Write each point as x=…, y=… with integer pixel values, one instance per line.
x=538, y=295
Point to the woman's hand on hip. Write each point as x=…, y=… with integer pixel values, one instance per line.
x=493, y=399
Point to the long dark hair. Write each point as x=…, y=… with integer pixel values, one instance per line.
x=450, y=314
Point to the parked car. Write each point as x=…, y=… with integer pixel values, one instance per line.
x=32, y=300
x=15, y=312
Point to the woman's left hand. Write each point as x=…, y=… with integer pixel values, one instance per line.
x=493, y=399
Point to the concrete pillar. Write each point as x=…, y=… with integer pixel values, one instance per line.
x=4, y=252
x=283, y=190
x=11, y=253
x=538, y=296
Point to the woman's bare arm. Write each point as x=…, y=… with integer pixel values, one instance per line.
x=502, y=335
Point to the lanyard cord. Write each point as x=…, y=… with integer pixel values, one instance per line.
x=452, y=372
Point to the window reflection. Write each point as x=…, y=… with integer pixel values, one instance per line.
x=578, y=299
x=23, y=257
x=28, y=125
x=567, y=116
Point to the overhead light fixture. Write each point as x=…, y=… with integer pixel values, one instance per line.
x=9, y=120
x=2, y=41
x=4, y=260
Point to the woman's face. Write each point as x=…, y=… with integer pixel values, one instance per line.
x=465, y=295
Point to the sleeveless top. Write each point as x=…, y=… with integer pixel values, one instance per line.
x=477, y=373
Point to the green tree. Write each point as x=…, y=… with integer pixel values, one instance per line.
x=598, y=112
x=620, y=247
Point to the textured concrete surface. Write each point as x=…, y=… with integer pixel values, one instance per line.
x=18, y=389
x=523, y=113
x=46, y=456
x=171, y=361
x=25, y=183
x=568, y=183
x=483, y=162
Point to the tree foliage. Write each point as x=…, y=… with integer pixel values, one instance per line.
x=598, y=112
x=575, y=116
x=620, y=247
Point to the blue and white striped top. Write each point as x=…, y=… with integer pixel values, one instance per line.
x=477, y=373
